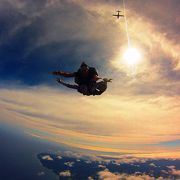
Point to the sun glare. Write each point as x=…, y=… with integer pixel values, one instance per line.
x=132, y=56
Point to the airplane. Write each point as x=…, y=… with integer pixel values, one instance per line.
x=118, y=15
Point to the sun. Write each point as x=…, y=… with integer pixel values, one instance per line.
x=132, y=56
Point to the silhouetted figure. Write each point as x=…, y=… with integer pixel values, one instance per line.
x=86, y=79
x=97, y=89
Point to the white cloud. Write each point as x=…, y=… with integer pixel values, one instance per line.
x=174, y=171
x=164, y=171
x=130, y=160
x=107, y=175
x=101, y=166
x=66, y=173
x=47, y=157
x=90, y=178
x=70, y=164
x=59, y=157
x=152, y=164
x=171, y=167
x=116, y=163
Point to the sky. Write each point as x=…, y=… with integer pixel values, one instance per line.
x=18, y=155
x=138, y=115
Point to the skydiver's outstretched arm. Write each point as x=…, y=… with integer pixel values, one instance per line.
x=65, y=74
x=72, y=86
x=107, y=80
x=96, y=78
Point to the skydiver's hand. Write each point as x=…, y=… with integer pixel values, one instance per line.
x=107, y=80
x=110, y=80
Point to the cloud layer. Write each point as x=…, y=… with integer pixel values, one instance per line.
x=150, y=128
x=85, y=167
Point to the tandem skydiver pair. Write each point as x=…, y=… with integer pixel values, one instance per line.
x=87, y=80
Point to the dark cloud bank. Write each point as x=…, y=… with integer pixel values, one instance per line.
x=37, y=38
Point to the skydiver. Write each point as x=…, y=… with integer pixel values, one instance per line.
x=97, y=89
x=84, y=76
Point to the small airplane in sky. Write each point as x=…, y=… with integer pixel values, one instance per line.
x=118, y=15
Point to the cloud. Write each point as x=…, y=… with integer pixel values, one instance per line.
x=113, y=131
x=41, y=173
x=164, y=171
x=130, y=160
x=66, y=173
x=59, y=157
x=90, y=178
x=107, y=175
x=64, y=31
x=153, y=165
x=47, y=157
x=101, y=166
x=70, y=164
x=174, y=171
x=171, y=167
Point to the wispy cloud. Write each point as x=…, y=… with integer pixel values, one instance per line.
x=66, y=173
x=152, y=120
x=107, y=175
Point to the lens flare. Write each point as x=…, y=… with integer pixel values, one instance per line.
x=132, y=56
